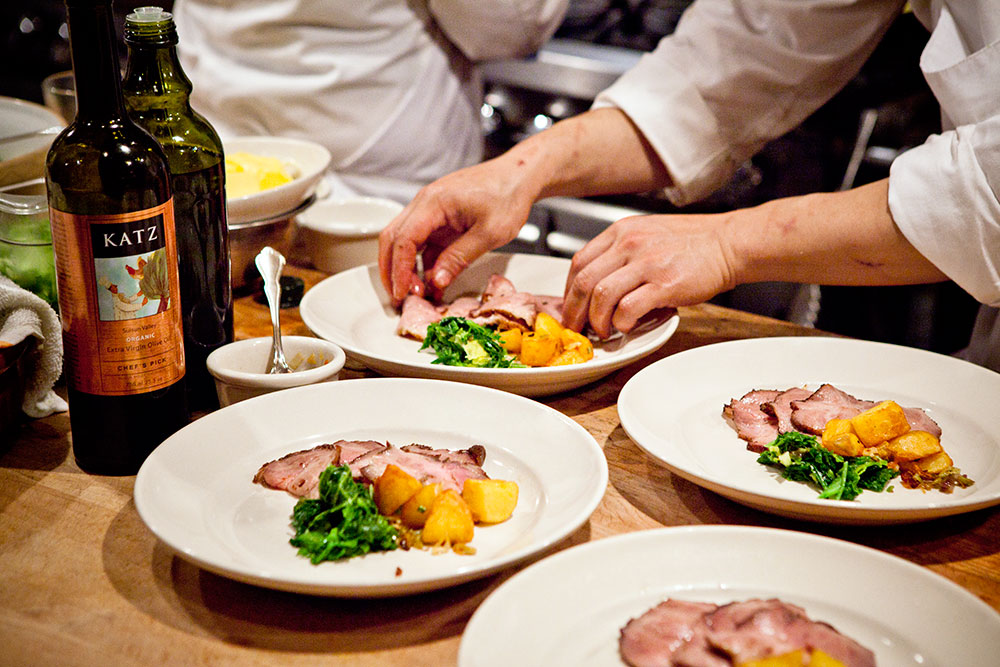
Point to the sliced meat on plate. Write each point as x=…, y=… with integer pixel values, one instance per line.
x=417, y=314
x=298, y=472
x=781, y=409
x=752, y=424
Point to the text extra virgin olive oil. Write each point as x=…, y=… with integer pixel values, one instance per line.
x=157, y=94
x=111, y=213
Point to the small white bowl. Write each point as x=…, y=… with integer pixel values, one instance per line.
x=306, y=159
x=238, y=367
x=339, y=234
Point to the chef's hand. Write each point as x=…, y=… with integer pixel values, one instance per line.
x=450, y=223
x=642, y=263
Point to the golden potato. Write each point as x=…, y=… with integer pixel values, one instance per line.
x=822, y=659
x=567, y=357
x=538, y=348
x=511, y=340
x=572, y=340
x=914, y=445
x=845, y=444
x=836, y=427
x=415, y=510
x=883, y=422
x=793, y=659
x=546, y=324
x=490, y=500
x=449, y=521
x=935, y=464
x=393, y=488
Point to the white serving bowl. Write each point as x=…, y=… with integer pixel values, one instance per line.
x=307, y=160
x=339, y=234
x=238, y=367
x=19, y=117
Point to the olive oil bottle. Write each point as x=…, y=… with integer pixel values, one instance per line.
x=157, y=96
x=111, y=213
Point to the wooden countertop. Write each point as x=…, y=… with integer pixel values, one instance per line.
x=84, y=582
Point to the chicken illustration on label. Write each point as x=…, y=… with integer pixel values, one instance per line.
x=130, y=263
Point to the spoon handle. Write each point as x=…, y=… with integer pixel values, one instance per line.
x=270, y=263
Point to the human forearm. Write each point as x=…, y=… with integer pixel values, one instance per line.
x=597, y=152
x=837, y=238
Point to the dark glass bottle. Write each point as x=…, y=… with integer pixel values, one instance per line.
x=111, y=212
x=157, y=96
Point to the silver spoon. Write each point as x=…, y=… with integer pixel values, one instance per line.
x=270, y=262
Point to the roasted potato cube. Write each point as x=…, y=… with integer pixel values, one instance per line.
x=415, y=510
x=835, y=427
x=567, y=357
x=914, y=445
x=835, y=430
x=511, y=340
x=845, y=444
x=793, y=659
x=449, y=521
x=538, y=348
x=936, y=463
x=546, y=324
x=883, y=422
x=490, y=500
x=571, y=340
x=393, y=488
x=821, y=659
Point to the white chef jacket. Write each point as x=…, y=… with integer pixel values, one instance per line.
x=388, y=86
x=738, y=73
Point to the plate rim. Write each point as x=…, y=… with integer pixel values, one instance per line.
x=595, y=490
x=664, y=536
x=577, y=375
x=813, y=509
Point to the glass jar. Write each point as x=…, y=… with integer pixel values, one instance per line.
x=26, y=239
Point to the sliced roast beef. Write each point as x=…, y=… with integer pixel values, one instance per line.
x=756, y=629
x=497, y=286
x=812, y=414
x=462, y=306
x=451, y=470
x=781, y=409
x=550, y=305
x=691, y=634
x=298, y=472
x=512, y=310
x=752, y=424
x=417, y=314
x=828, y=402
x=651, y=640
x=474, y=455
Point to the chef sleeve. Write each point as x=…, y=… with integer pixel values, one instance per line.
x=736, y=74
x=943, y=196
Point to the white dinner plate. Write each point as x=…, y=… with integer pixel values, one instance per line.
x=353, y=310
x=673, y=410
x=569, y=608
x=195, y=491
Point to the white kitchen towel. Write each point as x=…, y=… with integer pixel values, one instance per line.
x=24, y=314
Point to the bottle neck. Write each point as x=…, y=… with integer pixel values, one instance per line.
x=153, y=73
x=95, y=61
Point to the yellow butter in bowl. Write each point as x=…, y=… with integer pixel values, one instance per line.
x=248, y=174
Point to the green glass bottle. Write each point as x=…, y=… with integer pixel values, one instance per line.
x=157, y=94
x=111, y=213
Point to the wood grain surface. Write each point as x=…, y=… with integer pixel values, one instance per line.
x=84, y=582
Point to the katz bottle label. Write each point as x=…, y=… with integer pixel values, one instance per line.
x=119, y=300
